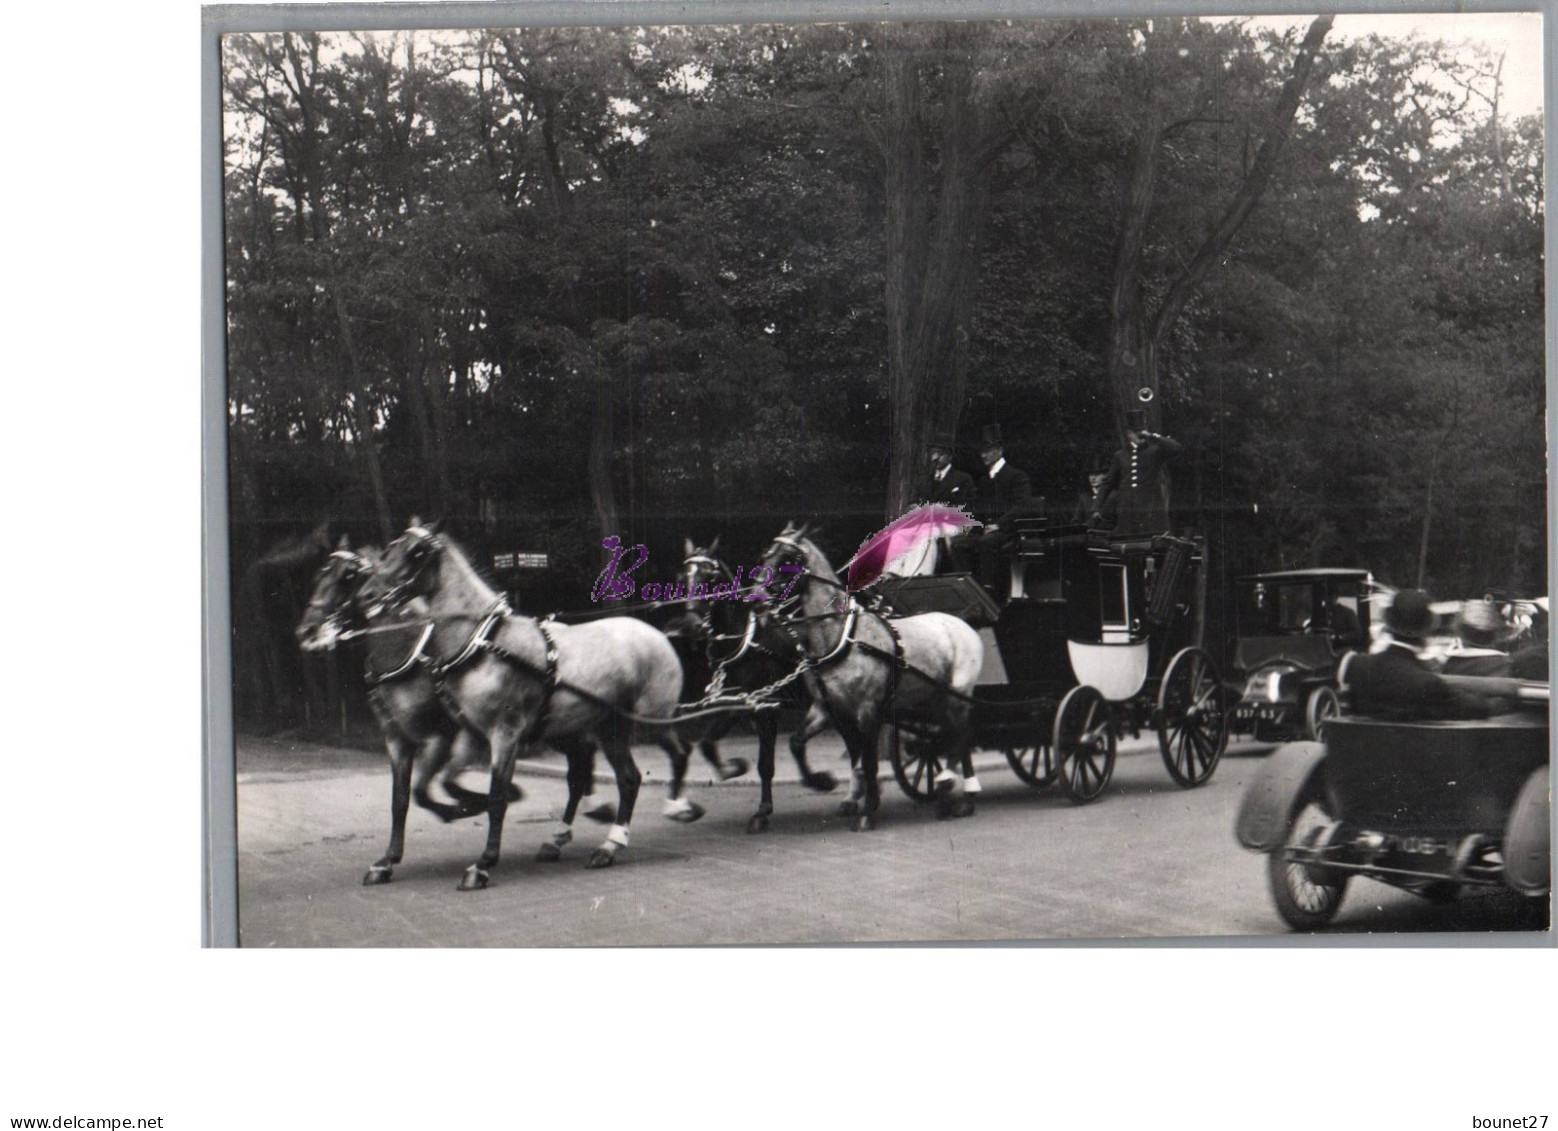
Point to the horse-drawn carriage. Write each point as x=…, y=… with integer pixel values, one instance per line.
x=1430, y=807
x=1096, y=635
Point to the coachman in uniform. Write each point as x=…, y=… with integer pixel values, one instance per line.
x=1134, y=488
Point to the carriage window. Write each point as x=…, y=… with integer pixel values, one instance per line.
x=1113, y=606
x=1297, y=606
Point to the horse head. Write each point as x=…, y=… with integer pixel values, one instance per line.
x=408, y=568
x=332, y=604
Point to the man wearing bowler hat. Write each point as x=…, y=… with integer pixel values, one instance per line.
x=1134, y=487
x=1092, y=509
x=1397, y=683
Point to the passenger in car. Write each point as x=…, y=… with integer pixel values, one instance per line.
x=1397, y=683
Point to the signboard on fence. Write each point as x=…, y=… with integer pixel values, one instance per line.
x=516, y=560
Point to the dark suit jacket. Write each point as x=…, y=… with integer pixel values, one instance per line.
x=1395, y=684
x=1133, y=485
x=1004, y=497
x=955, y=489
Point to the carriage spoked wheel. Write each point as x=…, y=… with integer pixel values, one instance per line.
x=914, y=760
x=1084, y=743
x=1192, y=717
x=1306, y=896
x=1034, y=764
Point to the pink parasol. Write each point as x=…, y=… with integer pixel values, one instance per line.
x=903, y=536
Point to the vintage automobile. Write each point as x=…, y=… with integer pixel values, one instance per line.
x=1293, y=628
x=1430, y=807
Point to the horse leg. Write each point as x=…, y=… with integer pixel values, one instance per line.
x=954, y=795
x=469, y=748
x=505, y=750
x=435, y=754
x=581, y=775
x=402, y=752
x=767, y=739
x=864, y=737
x=708, y=746
x=620, y=755
x=816, y=722
x=677, y=807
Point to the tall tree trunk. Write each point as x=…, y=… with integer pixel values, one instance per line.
x=602, y=494
x=1137, y=336
x=362, y=418
x=932, y=260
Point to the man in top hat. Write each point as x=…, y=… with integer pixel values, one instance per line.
x=1134, y=486
x=1397, y=683
x=946, y=484
x=1004, y=491
x=1003, y=494
x=1092, y=509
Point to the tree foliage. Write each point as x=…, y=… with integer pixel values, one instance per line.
x=556, y=283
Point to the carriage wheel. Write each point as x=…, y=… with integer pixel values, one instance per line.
x=1192, y=717
x=1322, y=705
x=1034, y=764
x=915, y=763
x=1084, y=743
x=1307, y=898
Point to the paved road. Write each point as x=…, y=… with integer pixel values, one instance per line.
x=1146, y=860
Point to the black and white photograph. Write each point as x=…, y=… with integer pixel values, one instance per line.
x=893, y=482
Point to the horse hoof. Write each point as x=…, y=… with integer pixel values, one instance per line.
x=733, y=769
x=848, y=808
x=378, y=874
x=865, y=823
x=549, y=853
x=821, y=782
x=688, y=815
x=474, y=879
x=600, y=858
x=602, y=814
x=758, y=823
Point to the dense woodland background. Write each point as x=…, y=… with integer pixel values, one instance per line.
x=553, y=284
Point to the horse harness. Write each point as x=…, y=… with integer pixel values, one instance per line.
x=479, y=643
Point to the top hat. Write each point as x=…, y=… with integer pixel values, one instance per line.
x=1135, y=420
x=943, y=441
x=1409, y=616
x=1098, y=464
x=990, y=436
x=1478, y=623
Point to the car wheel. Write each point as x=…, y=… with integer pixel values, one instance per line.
x=1307, y=898
x=1321, y=706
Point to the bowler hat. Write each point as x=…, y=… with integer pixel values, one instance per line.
x=1409, y=616
x=1478, y=623
x=1098, y=464
x=990, y=436
x=943, y=441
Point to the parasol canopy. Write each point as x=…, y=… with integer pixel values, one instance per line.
x=903, y=536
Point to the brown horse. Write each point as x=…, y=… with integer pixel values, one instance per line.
x=870, y=671
x=524, y=683
x=741, y=655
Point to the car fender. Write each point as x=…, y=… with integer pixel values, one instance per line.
x=1291, y=773
x=1528, y=841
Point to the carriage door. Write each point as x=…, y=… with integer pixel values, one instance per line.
x=1114, y=603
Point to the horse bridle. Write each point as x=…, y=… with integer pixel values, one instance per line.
x=334, y=620
x=420, y=552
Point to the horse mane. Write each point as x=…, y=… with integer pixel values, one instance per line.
x=454, y=552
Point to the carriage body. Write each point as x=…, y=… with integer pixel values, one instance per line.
x=1293, y=628
x=1097, y=635
x=1429, y=807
